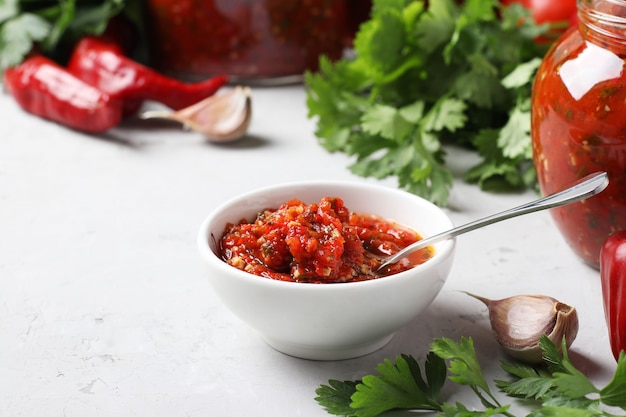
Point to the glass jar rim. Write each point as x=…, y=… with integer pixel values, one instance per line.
x=603, y=20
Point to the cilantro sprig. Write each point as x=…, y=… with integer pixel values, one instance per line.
x=427, y=75
x=47, y=24
x=556, y=389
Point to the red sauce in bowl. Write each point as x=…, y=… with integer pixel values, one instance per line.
x=317, y=243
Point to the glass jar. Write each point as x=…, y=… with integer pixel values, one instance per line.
x=249, y=40
x=579, y=123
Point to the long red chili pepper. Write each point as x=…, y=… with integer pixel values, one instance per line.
x=613, y=277
x=44, y=88
x=102, y=63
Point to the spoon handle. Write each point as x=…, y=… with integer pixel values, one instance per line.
x=586, y=187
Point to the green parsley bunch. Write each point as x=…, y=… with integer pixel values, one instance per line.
x=427, y=74
x=558, y=389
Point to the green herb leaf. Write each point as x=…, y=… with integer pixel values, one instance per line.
x=382, y=41
x=399, y=385
x=522, y=75
x=437, y=26
x=460, y=410
x=386, y=121
x=446, y=114
x=8, y=9
x=573, y=384
x=511, y=139
x=531, y=382
x=436, y=374
x=463, y=361
x=17, y=36
x=335, y=396
x=554, y=411
x=614, y=394
x=51, y=25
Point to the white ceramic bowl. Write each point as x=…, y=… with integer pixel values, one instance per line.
x=329, y=321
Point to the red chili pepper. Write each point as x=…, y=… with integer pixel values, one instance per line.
x=44, y=88
x=103, y=64
x=613, y=277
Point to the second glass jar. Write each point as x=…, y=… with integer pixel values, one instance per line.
x=579, y=123
x=249, y=40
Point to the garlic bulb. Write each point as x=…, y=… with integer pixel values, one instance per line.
x=519, y=321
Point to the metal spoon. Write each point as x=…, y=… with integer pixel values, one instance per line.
x=221, y=117
x=586, y=187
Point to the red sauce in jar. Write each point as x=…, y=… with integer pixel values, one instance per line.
x=246, y=39
x=579, y=127
x=317, y=243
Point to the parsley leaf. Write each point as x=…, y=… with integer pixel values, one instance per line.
x=8, y=9
x=48, y=24
x=429, y=74
x=17, y=36
x=386, y=121
x=532, y=383
x=399, y=385
x=336, y=396
x=614, y=394
x=464, y=363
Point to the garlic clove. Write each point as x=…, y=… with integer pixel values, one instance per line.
x=221, y=117
x=518, y=322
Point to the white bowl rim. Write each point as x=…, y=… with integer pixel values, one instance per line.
x=445, y=248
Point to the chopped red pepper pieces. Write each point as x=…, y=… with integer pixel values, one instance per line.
x=317, y=243
x=613, y=277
